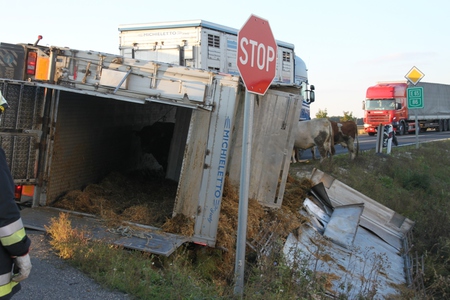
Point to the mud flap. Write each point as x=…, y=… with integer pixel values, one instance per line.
x=140, y=237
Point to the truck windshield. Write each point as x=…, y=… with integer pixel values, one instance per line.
x=380, y=104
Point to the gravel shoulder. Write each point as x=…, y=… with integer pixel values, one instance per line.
x=53, y=278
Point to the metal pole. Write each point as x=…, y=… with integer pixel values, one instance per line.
x=389, y=143
x=379, y=143
x=417, y=129
x=243, y=194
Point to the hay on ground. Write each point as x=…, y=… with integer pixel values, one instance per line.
x=118, y=198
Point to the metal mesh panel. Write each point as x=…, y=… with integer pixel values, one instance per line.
x=20, y=156
x=25, y=105
x=20, y=127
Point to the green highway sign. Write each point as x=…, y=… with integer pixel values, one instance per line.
x=415, y=97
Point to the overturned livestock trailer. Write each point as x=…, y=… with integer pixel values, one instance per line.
x=76, y=116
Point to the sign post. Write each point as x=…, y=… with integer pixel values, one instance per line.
x=414, y=96
x=256, y=62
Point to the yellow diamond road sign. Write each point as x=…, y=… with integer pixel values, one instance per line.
x=414, y=75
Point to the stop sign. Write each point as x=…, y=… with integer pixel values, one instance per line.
x=257, y=55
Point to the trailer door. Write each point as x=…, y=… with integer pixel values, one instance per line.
x=21, y=129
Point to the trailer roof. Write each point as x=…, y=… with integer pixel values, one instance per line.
x=364, y=249
x=189, y=23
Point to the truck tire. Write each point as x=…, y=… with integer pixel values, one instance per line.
x=440, y=128
x=401, y=128
x=371, y=133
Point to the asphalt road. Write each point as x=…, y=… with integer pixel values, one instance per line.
x=52, y=278
x=367, y=142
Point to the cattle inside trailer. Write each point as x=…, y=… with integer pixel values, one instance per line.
x=83, y=118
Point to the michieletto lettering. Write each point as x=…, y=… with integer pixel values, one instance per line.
x=221, y=169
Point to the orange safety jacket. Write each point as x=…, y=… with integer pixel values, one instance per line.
x=13, y=239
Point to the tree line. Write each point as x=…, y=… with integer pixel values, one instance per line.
x=348, y=116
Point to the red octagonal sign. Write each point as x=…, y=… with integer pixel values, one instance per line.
x=257, y=55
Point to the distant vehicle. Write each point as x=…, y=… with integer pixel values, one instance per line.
x=386, y=103
x=209, y=46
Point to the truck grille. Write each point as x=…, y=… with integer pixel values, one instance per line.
x=378, y=119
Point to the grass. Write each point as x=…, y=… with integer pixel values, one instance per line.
x=413, y=182
x=141, y=275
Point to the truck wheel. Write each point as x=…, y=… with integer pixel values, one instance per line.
x=371, y=133
x=441, y=126
x=401, y=128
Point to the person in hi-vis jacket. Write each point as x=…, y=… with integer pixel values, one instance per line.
x=15, y=264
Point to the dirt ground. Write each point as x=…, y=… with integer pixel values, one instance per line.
x=52, y=278
x=303, y=168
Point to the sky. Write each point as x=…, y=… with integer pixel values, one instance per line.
x=347, y=45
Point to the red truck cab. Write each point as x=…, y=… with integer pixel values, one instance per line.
x=385, y=103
